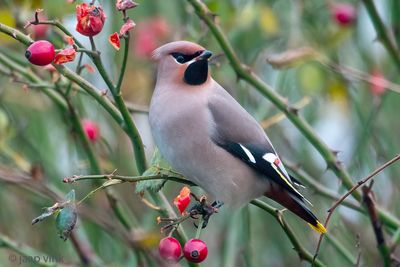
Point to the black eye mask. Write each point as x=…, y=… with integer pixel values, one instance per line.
x=182, y=58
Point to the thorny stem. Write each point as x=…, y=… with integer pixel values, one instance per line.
x=130, y=179
x=383, y=33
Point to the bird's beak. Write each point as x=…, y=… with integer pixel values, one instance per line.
x=205, y=55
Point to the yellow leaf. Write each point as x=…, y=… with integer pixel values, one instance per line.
x=338, y=92
x=268, y=21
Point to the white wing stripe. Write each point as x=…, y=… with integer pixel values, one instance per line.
x=270, y=157
x=248, y=154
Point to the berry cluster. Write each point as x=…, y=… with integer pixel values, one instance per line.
x=195, y=250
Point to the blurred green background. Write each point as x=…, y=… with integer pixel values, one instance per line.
x=340, y=92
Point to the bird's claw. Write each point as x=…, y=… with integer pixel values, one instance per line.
x=205, y=210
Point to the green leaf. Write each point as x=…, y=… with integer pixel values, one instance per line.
x=158, y=166
x=66, y=218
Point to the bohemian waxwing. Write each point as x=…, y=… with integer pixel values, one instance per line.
x=206, y=135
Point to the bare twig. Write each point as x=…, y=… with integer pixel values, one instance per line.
x=363, y=181
x=355, y=187
x=376, y=225
x=319, y=188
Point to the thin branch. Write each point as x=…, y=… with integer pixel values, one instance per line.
x=355, y=187
x=363, y=181
x=319, y=188
x=355, y=74
x=302, y=252
x=376, y=225
x=130, y=179
x=61, y=27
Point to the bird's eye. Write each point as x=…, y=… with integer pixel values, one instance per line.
x=180, y=58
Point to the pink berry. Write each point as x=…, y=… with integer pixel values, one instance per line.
x=344, y=14
x=378, y=83
x=40, y=53
x=195, y=250
x=39, y=31
x=170, y=249
x=91, y=129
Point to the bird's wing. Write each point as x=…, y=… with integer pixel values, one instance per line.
x=236, y=131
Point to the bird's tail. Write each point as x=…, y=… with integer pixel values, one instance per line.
x=297, y=206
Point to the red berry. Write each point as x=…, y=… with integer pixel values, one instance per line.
x=40, y=53
x=195, y=250
x=91, y=129
x=170, y=249
x=344, y=14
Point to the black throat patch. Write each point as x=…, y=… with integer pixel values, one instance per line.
x=197, y=72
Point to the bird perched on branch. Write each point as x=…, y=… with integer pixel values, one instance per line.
x=205, y=134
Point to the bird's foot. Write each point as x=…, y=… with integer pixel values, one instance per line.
x=204, y=209
x=200, y=209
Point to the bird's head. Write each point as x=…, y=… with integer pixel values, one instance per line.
x=182, y=62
